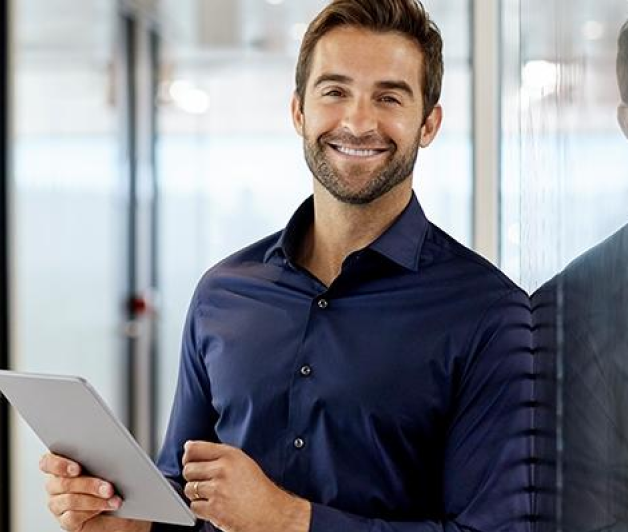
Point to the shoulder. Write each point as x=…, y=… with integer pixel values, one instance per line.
x=466, y=271
x=602, y=262
x=247, y=263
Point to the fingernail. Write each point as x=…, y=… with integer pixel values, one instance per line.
x=114, y=503
x=104, y=490
x=73, y=469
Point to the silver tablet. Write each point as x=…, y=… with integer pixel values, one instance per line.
x=72, y=420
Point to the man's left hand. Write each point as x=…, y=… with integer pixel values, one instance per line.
x=227, y=488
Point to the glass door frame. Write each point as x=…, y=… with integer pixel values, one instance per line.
x=140, y=406
x=139, y=49
x=5, y=507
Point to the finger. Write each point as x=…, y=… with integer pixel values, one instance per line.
x=197, y=451
x=74, y=520
x=204, y=470
x=71, y=502
x=59, y=466
x=193, y=490
x=199, y=509
x=208, y=511
x=200, y=490
x=84, y=485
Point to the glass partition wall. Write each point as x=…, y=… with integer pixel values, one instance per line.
x=68, y=214
x=564, y=182
x=564, y=238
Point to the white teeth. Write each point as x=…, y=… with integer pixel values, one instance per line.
x=356, y=153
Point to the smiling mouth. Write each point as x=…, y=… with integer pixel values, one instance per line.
x=354, y=152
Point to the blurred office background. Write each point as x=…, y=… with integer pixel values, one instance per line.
x=144, y=140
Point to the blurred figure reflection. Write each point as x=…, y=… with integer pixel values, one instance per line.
x=581, y=328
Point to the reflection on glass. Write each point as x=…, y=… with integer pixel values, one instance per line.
x=571, y=192
x=592, y=301
x=67, y=214
x=230, y=165
x=564, y=185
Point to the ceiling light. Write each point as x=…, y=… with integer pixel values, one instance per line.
x=188, y=97
x=540, y=76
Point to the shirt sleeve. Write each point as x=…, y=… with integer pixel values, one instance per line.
x=487, y=474
x=192, y=417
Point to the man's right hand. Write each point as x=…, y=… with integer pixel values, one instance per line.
x=77, y=501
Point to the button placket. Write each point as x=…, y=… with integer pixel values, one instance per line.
x=304, y=371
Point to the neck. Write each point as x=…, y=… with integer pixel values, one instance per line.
x=339, y=228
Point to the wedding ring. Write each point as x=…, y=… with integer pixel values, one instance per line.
x=195, y=494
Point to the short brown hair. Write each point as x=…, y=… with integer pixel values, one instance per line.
x=622, y=62
x=406, y=17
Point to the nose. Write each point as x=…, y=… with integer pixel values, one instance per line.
x=360, y=117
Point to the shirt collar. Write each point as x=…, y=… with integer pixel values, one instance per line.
x=401, y=242
x=287, y=244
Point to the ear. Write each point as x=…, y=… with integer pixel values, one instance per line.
x=297, y=113
x=430, y=127
x=622, y=118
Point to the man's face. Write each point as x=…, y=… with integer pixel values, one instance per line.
x=362, y=118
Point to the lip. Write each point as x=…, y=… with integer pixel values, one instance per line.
x=357, y=153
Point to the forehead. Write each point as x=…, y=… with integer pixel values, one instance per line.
x=361, y=53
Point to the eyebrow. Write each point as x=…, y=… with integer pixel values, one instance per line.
x=338, y=78
x=396, y=85
x=384, y=84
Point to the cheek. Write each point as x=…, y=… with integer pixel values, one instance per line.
x=321, y=119
x=401, y=130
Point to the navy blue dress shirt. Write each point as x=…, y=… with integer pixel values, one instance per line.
x=398, y=399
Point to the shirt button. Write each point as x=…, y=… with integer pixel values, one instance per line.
x=306, y=370
x=299, y=443
x=323, y=303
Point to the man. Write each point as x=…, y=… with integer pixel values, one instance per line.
x=622, y=78
x=581, y=318
x=361, y=370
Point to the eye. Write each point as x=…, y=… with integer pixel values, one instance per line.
x=389, y=100
x=334, y=93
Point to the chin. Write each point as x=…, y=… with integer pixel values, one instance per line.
x=364, y=196
x=355, y=200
